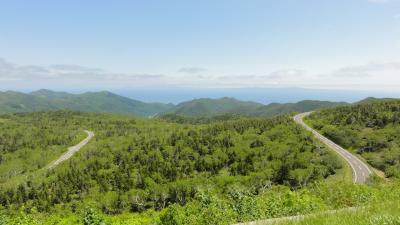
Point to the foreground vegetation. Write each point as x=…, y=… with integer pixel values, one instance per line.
x=370, y=129
x=387, y=213
x=374, y=203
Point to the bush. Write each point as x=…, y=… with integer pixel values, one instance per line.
x=92, y=218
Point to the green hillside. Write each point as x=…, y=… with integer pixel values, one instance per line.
x=147, y=171
x=373, y=100
x=371, y=130
x=302, y=106
x=382, y=213
x=45, y=100
x=206, y=107
x=223, y=169
x=28, y=143
x=12, y=101
x=138, y=166
x=211, y=107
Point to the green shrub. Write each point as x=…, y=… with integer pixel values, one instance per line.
x=92, y=218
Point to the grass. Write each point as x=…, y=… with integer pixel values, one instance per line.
x=344, y=174
x=379, y=214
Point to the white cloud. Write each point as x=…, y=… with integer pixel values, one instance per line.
x=9, y=71
x=276, y=75
x=69, y=68
x=290, y=73
x=373, y=75
x=192, y=70
x=368, y=70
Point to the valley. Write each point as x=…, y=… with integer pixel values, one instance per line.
x=225, y=170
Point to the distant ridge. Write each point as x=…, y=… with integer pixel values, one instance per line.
x=302, y=106
x=206, y=107
x=373, y=100
x=104, y=101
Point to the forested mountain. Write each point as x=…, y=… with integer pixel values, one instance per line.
x=12, y=101
x=45, y=100
x=211, y=107
x=302, y=106
x=206, y=107
x=373, y=100
x=371, y=129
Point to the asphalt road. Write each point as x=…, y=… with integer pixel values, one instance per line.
x=360, y=169
x=72, y=150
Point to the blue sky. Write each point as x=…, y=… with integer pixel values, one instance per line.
x=338, y=44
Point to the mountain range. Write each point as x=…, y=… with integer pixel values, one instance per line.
x=104, y=101
x=206, y=107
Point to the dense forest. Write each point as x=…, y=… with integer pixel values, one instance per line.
x=135, y=165
x=29, y=142
x=371, y=129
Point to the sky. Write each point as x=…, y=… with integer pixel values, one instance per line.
x=121, y=45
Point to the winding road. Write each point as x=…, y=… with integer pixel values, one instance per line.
x=71, y=150
x=361, y=171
